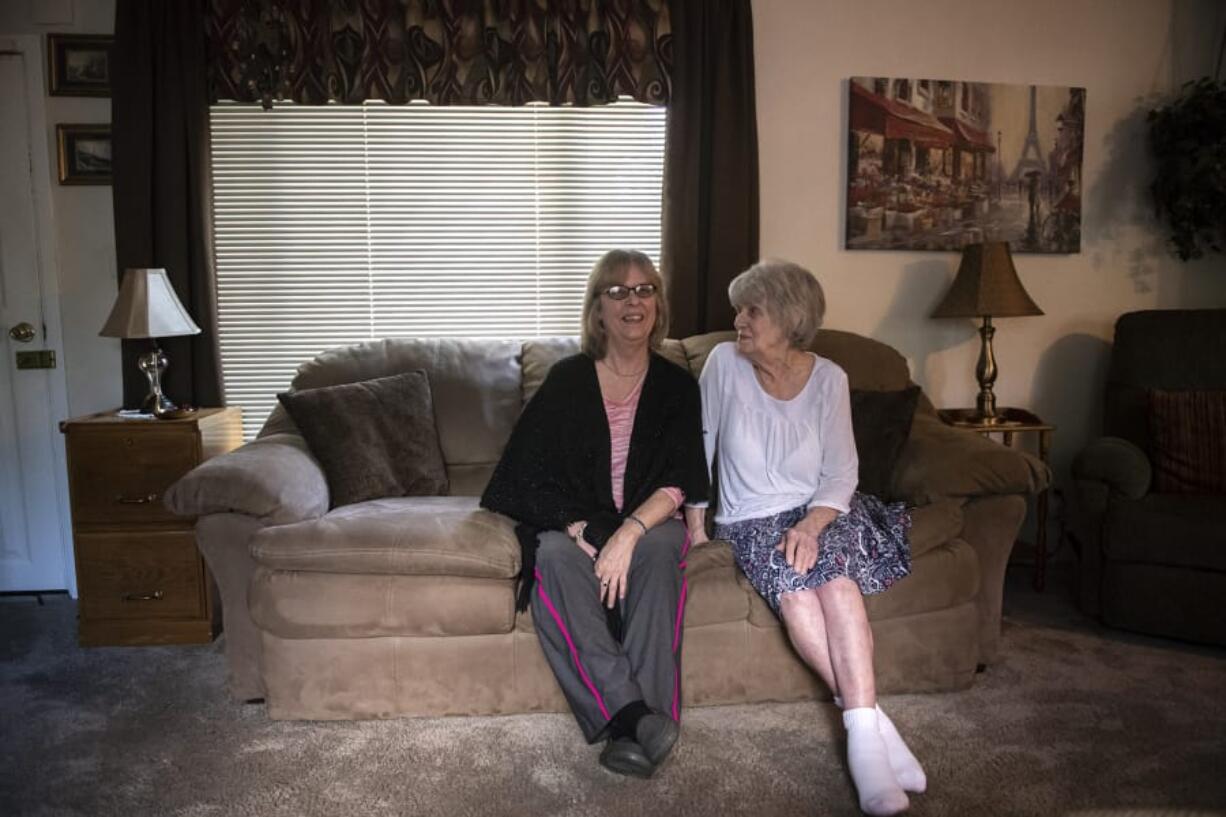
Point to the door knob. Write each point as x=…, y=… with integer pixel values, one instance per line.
x=22, y=332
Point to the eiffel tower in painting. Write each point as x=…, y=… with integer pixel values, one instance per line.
x=1032, y=154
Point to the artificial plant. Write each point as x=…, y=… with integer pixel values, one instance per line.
x=1188, y=140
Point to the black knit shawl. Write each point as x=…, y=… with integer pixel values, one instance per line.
x=556, y=466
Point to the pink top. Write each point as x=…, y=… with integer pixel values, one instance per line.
x=621, y=423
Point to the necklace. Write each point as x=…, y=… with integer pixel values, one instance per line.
x=619, y=374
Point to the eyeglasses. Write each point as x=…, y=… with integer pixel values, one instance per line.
x=620, y=293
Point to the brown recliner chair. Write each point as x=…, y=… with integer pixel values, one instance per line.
x=1149, y=518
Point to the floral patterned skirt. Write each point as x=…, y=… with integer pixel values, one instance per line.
x=868, y=545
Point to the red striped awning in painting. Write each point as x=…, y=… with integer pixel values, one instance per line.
x=896, y=120
x=969, y=138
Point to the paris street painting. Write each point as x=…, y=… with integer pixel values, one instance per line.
x=938, y=164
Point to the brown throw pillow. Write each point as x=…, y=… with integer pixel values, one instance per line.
x=881, y=422
x=374, y=439
x=1188, y=433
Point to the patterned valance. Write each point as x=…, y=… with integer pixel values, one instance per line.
x=448, y=52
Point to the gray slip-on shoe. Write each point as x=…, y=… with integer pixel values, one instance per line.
x=624, y=756
x=657, y=733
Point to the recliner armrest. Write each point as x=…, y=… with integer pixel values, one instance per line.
x=941, y=461
x=273, y=478
x=1121, y=465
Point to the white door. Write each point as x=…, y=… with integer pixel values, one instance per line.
x=33, y=552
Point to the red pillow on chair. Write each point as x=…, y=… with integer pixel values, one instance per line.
x=1188, y=432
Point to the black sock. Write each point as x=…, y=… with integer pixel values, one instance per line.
x=625, y=723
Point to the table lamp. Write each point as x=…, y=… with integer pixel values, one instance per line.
x=147, y=307
x=986, y=286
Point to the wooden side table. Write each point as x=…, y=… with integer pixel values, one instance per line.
x=1012, y=422
x=140, y=576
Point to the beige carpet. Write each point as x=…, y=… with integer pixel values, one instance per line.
x=1072, y=719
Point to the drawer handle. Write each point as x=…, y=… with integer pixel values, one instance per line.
x=136, y=500
x=156, y=595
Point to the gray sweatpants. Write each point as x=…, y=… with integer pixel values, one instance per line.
x=598, y=675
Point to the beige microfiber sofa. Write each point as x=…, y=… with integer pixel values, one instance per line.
x=404, y=606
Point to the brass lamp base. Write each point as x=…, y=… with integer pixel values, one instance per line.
x=985, y=373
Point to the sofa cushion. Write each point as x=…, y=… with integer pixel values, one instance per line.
x=1181, y=530
x=870, y=364
x=881, y=423
x=941, y=461
x=933, y=525
x=538, y=358
x=475, y=385
x=943, y=577
x=424, y=536
x=1188, y=432
x=714, y=595
x=295, y=604
x=374, y=439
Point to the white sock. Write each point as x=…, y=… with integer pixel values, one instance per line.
x=869, y=762
x=907, y=769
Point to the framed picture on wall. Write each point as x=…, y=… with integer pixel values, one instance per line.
x=84, y=153
x=79, y=64
x=936, y=164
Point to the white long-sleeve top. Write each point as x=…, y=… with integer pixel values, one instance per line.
x=774, y=455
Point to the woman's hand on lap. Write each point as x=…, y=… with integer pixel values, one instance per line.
x=801, y=542
x=799, y=549
x=613, y=563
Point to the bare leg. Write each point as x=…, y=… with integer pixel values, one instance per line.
x=830, y=630
x=850, y=642
x=801, y=612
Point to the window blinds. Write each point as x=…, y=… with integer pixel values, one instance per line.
x=339, y=224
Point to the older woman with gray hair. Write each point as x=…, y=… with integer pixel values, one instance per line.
x=777, y=425
x=595, y=473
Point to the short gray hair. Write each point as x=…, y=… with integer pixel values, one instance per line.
x=788, y=292
x=610, y=270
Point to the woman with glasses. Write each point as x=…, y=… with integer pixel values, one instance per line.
x=596, y=469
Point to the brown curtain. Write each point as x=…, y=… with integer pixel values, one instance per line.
x=448, y=52
x=160, y=165
x=710, y=231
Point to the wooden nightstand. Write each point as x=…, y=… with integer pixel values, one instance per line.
x=140, y=577
x=1014, y=421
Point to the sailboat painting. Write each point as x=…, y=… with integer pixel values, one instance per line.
x=938, y=164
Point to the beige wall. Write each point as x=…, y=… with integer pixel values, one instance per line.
x=1126, y=53
x=83, y=224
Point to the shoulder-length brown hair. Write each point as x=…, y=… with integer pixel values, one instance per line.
x=610, y=270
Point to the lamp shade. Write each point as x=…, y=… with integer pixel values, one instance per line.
x=986, y=286
x=147, y=307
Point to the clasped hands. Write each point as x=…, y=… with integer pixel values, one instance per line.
x=612, y=562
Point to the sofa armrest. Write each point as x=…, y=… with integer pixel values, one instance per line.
x=273, y=478
x=941, y=461
x=1120, y=465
